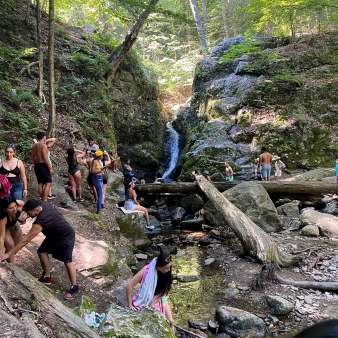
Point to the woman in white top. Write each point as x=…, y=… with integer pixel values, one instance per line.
x=279, y=165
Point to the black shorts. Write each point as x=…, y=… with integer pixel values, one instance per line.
x=90, y=180
x=42, y=173
x=60, y=251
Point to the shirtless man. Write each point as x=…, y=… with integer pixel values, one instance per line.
x=264, y=162
x=42, y=167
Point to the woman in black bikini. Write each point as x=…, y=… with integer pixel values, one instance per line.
x=10, y=229
x=14, y=170
x=74, y=173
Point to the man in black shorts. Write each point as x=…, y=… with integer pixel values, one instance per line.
x=59, y=241
x=42, y=166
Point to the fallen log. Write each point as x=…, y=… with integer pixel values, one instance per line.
x=254, y=240
x=324, y=286
x=293, y=190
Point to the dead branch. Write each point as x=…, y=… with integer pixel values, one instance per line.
x=314, y=263
x=187, y=331
x=27, y=68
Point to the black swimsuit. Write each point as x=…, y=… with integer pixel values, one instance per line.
x=10, y=223
x=15, y=171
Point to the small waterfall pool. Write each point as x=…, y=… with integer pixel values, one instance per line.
x=172, y=149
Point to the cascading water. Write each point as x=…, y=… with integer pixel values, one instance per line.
x=173, y=150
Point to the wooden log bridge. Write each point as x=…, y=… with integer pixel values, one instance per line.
x=304, y=191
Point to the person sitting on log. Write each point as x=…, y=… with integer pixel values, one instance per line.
x=155, y=282
x=207, y=175
x=229, y=173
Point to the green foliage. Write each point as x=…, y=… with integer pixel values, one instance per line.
x=91, y=65
x=105, y=41
x=59, y=31
x=247, y=48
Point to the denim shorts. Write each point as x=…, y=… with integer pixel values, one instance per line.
x=17, y=191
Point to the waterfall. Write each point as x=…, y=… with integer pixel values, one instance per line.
x=172, y=144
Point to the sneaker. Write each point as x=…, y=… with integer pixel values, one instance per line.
x=74, y=289
x=102, y=206
x=74, y=200
x=50, y=197
x=45, y=280
x=80, y=199
x=150, y=227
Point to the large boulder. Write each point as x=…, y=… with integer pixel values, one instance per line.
x=316, y=174
x=239, y=323
x=131, y=226
x=327, y=224
x=125, y=323
x=192, y=203
x=290, y=210
x=254, y=201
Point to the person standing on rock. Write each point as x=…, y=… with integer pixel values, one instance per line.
x=229, y=173
x=42, y=167
x=91, y=147
x=59, y=241
x=279, y=165
x=264, y=162
x=155, y=282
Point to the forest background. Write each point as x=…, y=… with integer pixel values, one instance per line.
x=171, y=41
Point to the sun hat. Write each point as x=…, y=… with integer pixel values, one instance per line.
x=98, y=153
x=275, y=157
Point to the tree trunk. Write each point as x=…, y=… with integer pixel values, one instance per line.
x=52, y=108
x=225, y=23
x=117, y=56
x=254, y=240
x=304, y=191
x=200, y=30
x=40, y=51
x=205, y=17
x=35, y=299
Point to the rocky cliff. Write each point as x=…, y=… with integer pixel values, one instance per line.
x=268, y=92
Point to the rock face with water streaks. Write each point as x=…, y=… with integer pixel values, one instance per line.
x=283, y=97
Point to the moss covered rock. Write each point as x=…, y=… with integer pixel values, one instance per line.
x=125, y=323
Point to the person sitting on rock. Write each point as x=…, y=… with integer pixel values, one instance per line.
x=114, y=161
x=91, y=147
x=127, y=169
x=132, y=204
x=156, y=181
x=155, y=282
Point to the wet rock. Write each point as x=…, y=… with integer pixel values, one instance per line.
x=209, y=261
x=254, y=201
x=213, y=326
x=279, y=305
x=331, y=208
x=123, y=322
x=192, y=203
x=214, y=233
x=180, y=253
x=141, y=257
x=169, y=249
x=239, y=323
x=192, y=224
x=163, y=213
x=177, y=215
x=199, y=333
x=187, y=278
x=223, y=335
x=230, y=292
x=197, y=325
x=289, y=210
x=205, y=240
x=310, y=231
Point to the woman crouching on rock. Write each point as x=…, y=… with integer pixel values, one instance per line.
x=132, y=204
x=155, y=279
x=10, y=228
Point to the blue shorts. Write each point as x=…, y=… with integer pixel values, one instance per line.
x=17, y=191
x=266, y=170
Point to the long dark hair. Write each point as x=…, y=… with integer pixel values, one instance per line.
x=71, y=159
x=164, y=280
x=4, y=204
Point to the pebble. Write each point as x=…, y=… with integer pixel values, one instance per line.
x=308, y=300
x=332, y=268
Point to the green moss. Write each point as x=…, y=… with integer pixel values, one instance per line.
x=244, y=118
x=111, y=268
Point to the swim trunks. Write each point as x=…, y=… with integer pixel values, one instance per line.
x=42, y=173
x=266, y=169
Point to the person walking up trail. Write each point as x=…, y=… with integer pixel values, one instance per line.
x=59, y=241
